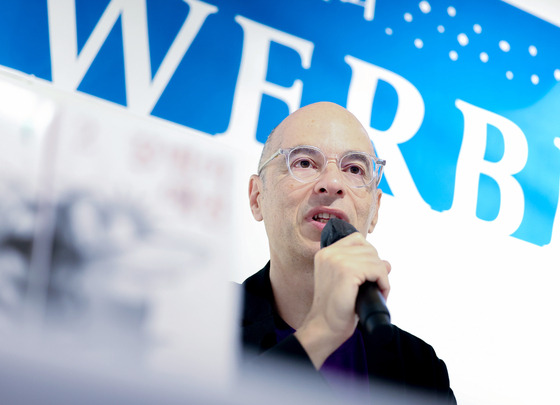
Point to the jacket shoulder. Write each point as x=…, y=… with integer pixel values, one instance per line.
x=402, y=358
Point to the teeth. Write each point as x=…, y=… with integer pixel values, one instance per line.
x=323, y=216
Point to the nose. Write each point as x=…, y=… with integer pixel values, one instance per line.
x=330, y=181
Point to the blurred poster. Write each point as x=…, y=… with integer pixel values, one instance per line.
x=130, y=255
x=25, y=119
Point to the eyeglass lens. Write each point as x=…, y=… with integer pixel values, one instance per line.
x=307, y=164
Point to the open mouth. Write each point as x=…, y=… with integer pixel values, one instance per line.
x=323, y=217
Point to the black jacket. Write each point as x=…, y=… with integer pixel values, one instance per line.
x=393, y=356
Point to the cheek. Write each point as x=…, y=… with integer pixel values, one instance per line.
x=366, y=208
x=278, y=202
x=283, y=199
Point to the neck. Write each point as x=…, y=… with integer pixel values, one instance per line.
x=292, y=285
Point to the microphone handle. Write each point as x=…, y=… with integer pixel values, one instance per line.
x=371, y=308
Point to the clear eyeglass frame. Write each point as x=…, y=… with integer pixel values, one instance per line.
x=377, y=168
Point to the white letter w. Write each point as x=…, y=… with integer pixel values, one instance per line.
x=142, y=93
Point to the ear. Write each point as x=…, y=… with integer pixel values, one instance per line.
x=255, y=188
x=377, y=198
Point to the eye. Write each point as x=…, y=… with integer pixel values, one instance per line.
x=356, y=165
x=304, y=163
x=355, y=170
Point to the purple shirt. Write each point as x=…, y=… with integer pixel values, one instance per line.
x=345, y=370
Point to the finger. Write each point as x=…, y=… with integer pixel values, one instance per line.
x=387, y=266
x=353, y=239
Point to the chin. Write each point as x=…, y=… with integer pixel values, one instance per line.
x=307, y=245
x=313, y=247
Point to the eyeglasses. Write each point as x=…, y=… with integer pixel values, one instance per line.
x=306, y=163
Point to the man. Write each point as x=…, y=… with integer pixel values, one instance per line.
x=320, y=163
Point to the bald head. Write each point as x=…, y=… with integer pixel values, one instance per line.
x=312, y=122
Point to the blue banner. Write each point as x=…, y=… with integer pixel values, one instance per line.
x=461, y=97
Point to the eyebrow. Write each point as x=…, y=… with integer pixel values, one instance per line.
x=359, y=155
x=322, y=150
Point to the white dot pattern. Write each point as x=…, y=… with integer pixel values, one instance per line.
x=469, y=39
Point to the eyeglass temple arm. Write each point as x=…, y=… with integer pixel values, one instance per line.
x=278, y=152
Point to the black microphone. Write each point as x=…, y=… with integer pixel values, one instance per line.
x=370, y=303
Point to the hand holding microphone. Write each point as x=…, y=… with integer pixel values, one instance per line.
x=370, y=303
x=341, y=269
